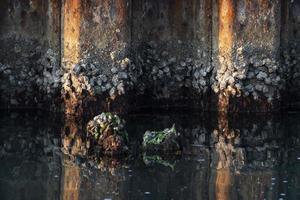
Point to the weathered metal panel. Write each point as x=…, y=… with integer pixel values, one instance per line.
x=96, y=41
x=246, y=52
x=30, y=39
x=246, y=38
x=290, y=44
x=172, y=40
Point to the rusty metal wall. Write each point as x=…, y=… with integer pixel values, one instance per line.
x=172, y=41
x=29, y=52
x=242, y=54
x=290, y=46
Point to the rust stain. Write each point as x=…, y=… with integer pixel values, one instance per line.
x=225, y=41
x=223, y=182
x=226, y=17
x=71, y=52
x=121, y=12
x=71, y=35
x=223, y=179
x=71, y=182
x=72, y=143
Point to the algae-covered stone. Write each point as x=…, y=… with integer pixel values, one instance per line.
x=166, y=141
x=107, y=130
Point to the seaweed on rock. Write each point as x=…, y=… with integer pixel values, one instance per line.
x=107, y=131
x=166, y=141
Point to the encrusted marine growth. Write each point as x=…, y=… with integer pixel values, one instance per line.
x=96, y=79
x=25, y=83
x=107, y=131
x=256, y=76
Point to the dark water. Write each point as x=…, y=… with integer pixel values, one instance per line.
x=243, y=157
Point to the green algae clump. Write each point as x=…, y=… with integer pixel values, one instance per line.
x=166, y=141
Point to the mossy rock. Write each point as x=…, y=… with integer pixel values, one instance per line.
x=107, y=131
x=166, y=141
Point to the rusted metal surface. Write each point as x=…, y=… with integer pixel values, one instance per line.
x=225, y=42
x=71, y=32
x=93, y=31
x=71, y=53
x=71, y=182
x=28, y=29
x=31, y=19
x=290, y=46
x=54, y=24
x=244, y=34
x=105, y=26
x=257, y=26
x=170, y=21
x=213, y=38
x=223, y=181
x=225, y=36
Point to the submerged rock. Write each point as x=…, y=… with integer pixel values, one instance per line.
x=107, y=131
x=166, y=141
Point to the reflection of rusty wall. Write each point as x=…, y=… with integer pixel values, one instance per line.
x=183, y=52
x=71, y=183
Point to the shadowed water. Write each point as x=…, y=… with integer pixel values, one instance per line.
x=246, y=157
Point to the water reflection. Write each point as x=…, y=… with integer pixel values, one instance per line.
x=240, y=158
x=29, y=156
x=73, y=137
x=71, y=179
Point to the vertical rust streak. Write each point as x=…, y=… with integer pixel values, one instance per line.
x=121, y=12
x=226, y=15
x=71, y=182
x=225, y=41
x=71, y=32
x=223, y=182
x=71, y=52
x=72, y=145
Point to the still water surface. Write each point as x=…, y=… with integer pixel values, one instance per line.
x=250, y=157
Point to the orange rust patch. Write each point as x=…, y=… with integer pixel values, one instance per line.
x=226, y=16
x=223, y=182
x=71, y=182
x=121, y=12
x=71, y=51
x=225, y=41
x=71, y=34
